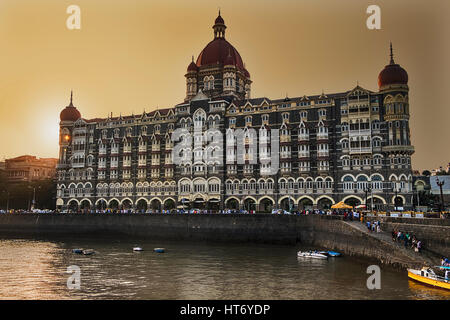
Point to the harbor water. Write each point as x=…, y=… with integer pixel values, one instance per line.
x=37, y=269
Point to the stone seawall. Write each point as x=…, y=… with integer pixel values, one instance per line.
x=313, y=230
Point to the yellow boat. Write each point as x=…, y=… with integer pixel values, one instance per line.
x=427, y=276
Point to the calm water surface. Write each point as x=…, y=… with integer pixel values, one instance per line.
x=36, y=269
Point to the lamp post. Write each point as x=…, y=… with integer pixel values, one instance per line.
x=395, y=198
x=367, y=190
x=33, y=202
x=371, y=200
x=7, y=200
x=440, y=184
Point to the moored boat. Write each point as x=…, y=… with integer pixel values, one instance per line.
x=138, y=249
x=79, y=251
x=159, y=250
x=88, y=252
x=330, y=253
x=334, y=254
x=427, y=276
x=311, y=254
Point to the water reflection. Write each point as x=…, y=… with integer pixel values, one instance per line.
x=36, y=269
x=421, y=291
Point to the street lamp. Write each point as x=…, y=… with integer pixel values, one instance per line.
x=366, y=191
x=440, y=184
x=395, y=198
x=33, y=203
x=7, y=199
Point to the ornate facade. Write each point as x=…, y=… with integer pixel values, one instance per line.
x=352, y=146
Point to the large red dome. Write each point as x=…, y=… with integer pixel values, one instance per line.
x=217, y=52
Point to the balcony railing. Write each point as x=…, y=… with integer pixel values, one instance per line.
x=303, y=154
x=303, y=137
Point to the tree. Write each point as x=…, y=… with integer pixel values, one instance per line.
x=21, y=194
x=426, y=199
x=426, y=173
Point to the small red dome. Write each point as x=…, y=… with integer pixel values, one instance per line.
x=246, y=73
x=70, y=113
x=392, y=74
x=192, y=67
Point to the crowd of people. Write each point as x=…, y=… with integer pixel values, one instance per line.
x=346, y=214
x=408, y=239
x=373, y=226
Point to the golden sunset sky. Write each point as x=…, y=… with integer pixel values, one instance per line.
x=133, y=54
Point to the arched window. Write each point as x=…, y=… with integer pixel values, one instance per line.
x=345, y=144
x=344, y=127
x=377, y=182
x=199, y=118
x=361, y=183
x=348, y=183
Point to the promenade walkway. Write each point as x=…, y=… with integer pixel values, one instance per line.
x=424, y=257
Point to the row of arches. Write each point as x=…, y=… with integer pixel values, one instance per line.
x=199, y=185
x=290, y=203
x=262, y=204
x=141, y=204
x=266, y=185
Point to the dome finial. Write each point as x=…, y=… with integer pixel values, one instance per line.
x=219, y=27
x=392, y=54
x=71, y=96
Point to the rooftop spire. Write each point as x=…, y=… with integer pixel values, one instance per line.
x=392, y=54
x=71, y=98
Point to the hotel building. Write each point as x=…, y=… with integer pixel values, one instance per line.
x=351, y=146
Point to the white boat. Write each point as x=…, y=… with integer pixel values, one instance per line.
x=311, y=254
x=88, y=252
x=138, y=249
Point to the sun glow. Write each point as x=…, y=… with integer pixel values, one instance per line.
x=47, y=135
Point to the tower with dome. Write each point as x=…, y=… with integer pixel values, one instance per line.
x=219, y=69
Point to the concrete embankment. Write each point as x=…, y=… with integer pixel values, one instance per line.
x=330, y=232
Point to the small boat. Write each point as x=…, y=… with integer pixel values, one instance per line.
x=88, y=252
x=330, y=253
x=79, y=251
x=427, y=276
x=311, y=254
x=334, y=254
x=159, y=250
x=138, y=249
